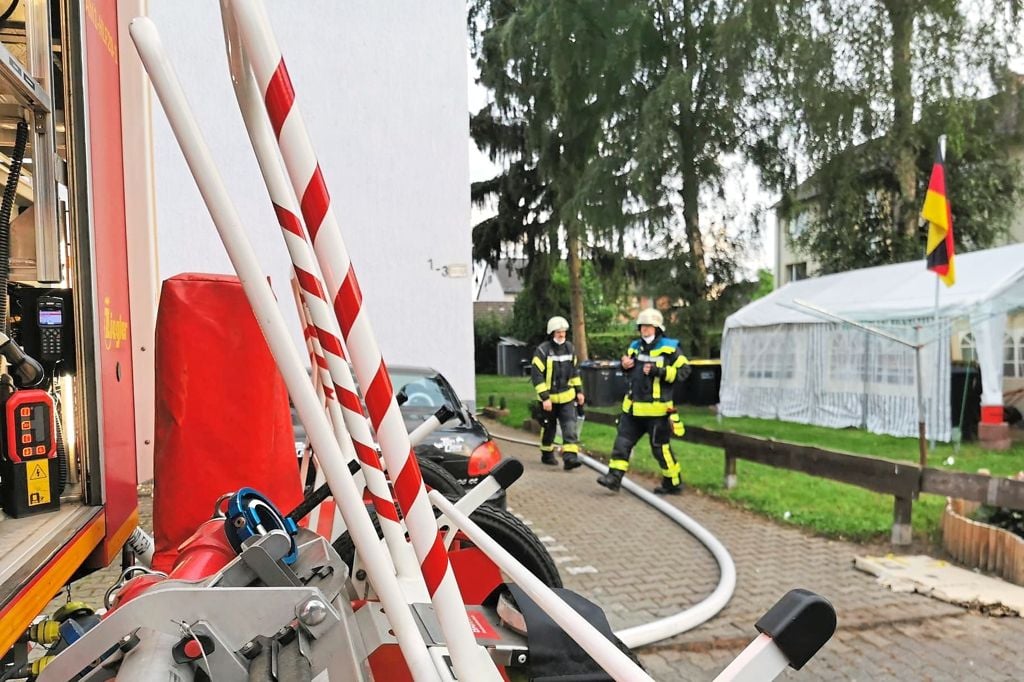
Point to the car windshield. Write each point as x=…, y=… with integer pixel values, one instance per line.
x=423, y=392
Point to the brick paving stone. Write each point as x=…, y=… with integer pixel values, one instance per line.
x=882, y=635
x=642, y=559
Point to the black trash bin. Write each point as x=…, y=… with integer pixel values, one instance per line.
x=701, y=386
x=965, y=398
x=603, y=382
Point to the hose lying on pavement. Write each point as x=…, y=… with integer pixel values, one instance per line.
x=663, y=628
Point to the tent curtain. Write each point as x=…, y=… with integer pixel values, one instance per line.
x=837, y=375
x=989, y=329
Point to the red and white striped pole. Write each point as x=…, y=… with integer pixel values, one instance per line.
x=470, y=660
x=346, y=410
x=324, y=519
x=261, y=298
x=318, y=366
x=307, y=452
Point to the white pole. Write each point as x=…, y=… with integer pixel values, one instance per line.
x=346, y=410
x=922, y=450
x=261, y=298
x=938, y=334
x=307, y=452
x=606, y=654
x=470, y=660
x=938, y=368
x=761, y=660
x=323, y=519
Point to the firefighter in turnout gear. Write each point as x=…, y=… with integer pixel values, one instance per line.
x=651, y=365
x=556, y=378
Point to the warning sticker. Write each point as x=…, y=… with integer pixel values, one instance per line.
x=38, y=474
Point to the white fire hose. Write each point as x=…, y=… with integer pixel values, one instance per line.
x=688, y=619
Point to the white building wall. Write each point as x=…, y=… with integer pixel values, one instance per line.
x=382, y=88
x=1016, y=231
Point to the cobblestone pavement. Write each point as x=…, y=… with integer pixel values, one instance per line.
x=639, y=566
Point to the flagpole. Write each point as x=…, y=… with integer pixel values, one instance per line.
x=938, y=335
x=922, y=450
x=938, y=366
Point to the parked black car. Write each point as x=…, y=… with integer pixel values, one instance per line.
x=459, y=453
x=462, y=445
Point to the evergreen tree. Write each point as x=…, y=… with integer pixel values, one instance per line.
x=556, y=71
x=690, y=103
x=621, y=112
x=850, y=98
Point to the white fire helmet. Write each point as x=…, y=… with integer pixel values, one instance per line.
x=652, y=317
x=557, y=323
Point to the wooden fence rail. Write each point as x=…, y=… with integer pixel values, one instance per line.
x=903, y=480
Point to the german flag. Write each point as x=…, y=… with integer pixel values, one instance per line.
x=936, y=210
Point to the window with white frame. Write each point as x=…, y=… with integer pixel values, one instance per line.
x=1010, y=356
x=799, y=223
x=796, y=272
x=968, y=352
x=1020, y=354
x=1013, y=354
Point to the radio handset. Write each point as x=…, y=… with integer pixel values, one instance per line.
x=51, y=327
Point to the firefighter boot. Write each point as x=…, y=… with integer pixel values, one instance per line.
x=612, y=480
x=548, y=458
x=667, y=487
x=571, y=461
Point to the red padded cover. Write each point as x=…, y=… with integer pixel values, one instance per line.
x=222, y=416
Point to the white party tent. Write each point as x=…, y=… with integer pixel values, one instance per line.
x=784, y=361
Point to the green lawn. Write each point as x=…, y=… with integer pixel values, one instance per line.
x=827, y=507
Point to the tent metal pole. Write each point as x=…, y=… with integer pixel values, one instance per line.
x=920, y=402
x=853, y=323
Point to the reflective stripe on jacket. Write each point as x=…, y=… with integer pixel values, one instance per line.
x=555, y=372
x=650, y=395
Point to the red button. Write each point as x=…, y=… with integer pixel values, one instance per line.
x=26, y=425
x=26, y=412
x=26, y=438
x=26, y=452
x=192, y=649
x=40, y=449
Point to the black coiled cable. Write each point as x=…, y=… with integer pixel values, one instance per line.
x=6, y=206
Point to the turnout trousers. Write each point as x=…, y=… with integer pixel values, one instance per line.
x=659, y=430
x=563, y=414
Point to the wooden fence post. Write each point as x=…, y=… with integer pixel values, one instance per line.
x=902, y=531
x=730, y=471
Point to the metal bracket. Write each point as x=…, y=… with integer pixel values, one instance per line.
x=242, y=613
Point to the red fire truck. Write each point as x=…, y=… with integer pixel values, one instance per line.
x=68, y=475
